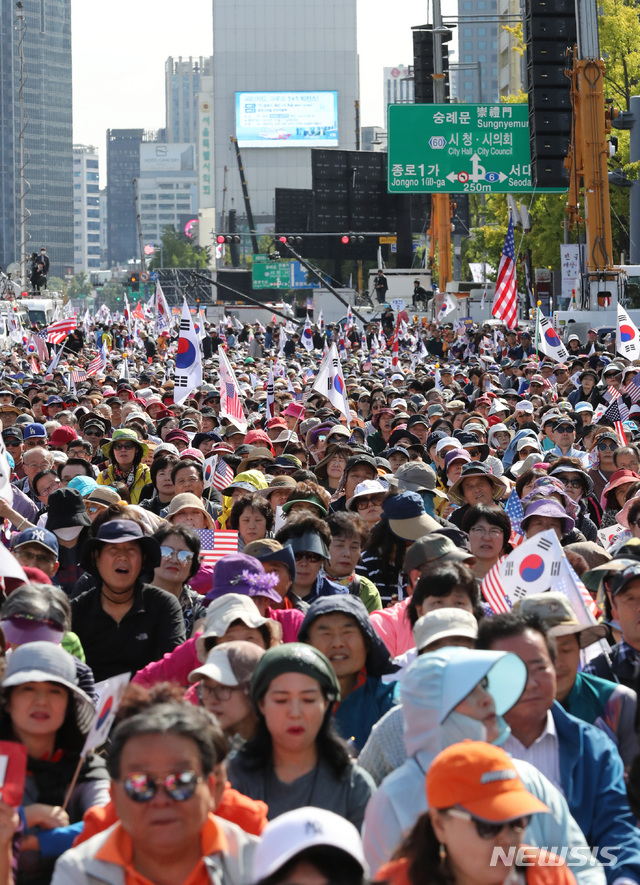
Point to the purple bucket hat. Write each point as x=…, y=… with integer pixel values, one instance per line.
x=549, y=507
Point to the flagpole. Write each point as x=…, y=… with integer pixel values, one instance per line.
x=538, y=303
x=292, y=431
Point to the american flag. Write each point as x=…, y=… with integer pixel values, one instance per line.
x=612, y=393
x=632, y=390
x=78, y=375
x=217, y=473
x=505, y=303
x=493, y=590
x=39, y=340
x=617, y=413
x=216, y=544
x=57, y=332
x=98, y=363
x=515, y=511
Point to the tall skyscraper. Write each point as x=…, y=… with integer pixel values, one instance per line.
x=123, y=165
x=285, y=79
x=86, y=209
x=475, y=78
x=184, y=79
x=46, y=45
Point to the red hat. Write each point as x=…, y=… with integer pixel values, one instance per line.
x=258, y=438
x=276, y=422
x=295, y=410
x=619, y=478
x=61, y=436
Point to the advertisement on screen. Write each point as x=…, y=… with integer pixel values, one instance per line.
x=287, y=119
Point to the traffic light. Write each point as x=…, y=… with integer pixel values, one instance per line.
x=550, y=31
x=351, y=239
x=423, y=66
x=134, y=282
x=227, y=239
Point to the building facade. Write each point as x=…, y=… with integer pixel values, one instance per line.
x=398, y=86
x=123, y=165
x=46, y=42
x=167, y=189
x=279, y=49
x=475, y=72
x=87, y=225
x=510, y=59
x=184, y=80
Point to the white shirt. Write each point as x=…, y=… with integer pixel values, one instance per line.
x=543, y=752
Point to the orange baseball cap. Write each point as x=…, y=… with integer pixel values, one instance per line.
x=483, y=780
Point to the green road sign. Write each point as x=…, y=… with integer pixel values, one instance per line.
x=459, y=148
x=271, y=274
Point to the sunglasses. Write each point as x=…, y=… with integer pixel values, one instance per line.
x=607, y=447
x=475, y=453
x=365, y=503
x=126, y=446
x=486, y=829
x=93, y=433
x=264, y=464
x=180, y=787
x=12, y=443
x=183, y=556
x=218, y=692
x=570, y=483
x=565, y=428
x=310, y=557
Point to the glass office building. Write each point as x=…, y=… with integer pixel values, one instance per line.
x=48, y=132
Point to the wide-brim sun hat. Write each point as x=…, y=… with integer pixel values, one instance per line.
x=123, y=435
x=46, y=662
x=121, y=531
x=551, y=508
x=184, y=501
x=475, y=469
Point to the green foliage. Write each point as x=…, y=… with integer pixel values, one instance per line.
x=179, y=251
x=79, y=285
x=57, y=284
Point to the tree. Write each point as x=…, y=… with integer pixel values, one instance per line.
x=179, y=251
x=80, y=286
x=619, y=30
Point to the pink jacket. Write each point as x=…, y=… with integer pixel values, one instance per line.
x=176, y=665
x=393, y=627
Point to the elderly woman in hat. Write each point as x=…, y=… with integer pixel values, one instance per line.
x=123, y=622
x=125, y=452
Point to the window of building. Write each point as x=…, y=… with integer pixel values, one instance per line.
x=481, y=32
x=93, y=213
x=93, y=225
x=93, y=238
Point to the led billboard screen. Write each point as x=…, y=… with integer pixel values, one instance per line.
x=287, y=119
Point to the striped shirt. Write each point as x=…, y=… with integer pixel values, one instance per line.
x=543, y=752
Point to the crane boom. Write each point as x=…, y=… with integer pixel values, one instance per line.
x=245, y=194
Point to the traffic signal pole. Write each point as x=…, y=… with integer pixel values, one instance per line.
x=440, y=203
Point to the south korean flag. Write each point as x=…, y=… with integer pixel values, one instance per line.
x=188, y=374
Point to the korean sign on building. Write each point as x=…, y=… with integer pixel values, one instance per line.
x=205, y=152
x=459, y=148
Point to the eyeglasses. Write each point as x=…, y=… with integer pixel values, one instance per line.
x=264, y=464
x=37, y=467
x=475, y=453
x=365, y=503
x=180, y=786
x=306, y=554
x=183, y=556
x=607, y=447
x=127, y=446
x=487, y=830
x=43, y=493
x=218, y=692
x=494, y=532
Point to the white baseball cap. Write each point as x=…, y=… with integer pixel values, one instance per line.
x=525, y=406
x=447, y=441
x=296, y=831
x=583, y=407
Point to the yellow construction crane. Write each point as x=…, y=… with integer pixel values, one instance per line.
x=587, y=158
x=440, y=233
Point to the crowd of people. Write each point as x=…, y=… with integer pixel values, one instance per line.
x=320, y=688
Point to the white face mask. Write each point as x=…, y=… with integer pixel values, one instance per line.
x=69, y=534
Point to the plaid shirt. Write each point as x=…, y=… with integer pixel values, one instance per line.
x=627, y=653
